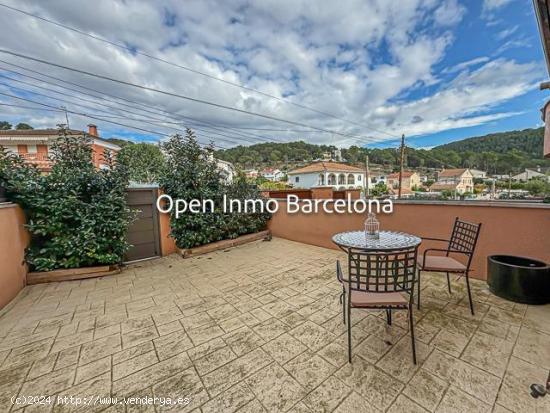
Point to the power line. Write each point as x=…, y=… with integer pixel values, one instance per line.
x=30, y=107
x=146, y=120
x=160, y=112
x=176, y=95
x=97, y=118
x=155, y=110
x=246, y=135
x=198, y=72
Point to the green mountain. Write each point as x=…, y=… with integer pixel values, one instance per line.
x=528, y=141
x=496, y=153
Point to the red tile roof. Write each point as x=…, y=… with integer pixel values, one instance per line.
x=326, y=166
x=404, y=191
x=21, y=134
x=449, y=173
x=406, y=174
x=38, y=132
x=442, y=187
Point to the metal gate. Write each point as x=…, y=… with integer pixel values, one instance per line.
x=143, y=233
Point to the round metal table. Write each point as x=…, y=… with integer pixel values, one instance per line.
x=388, y=241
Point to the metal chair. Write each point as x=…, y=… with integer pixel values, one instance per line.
x=462, y=242
x=379, y=280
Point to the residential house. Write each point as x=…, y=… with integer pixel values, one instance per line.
x=410, y=180
x=529, y=174
x=333, y=174
x=377, y=179
x=227, y=170
x=459, y=181
x=272, y=174
x=405, y=193
x=34, y=145
x=476, y=173
x=251, y=173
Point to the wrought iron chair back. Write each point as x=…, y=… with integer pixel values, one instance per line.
x=388, y=271
x=464, y=238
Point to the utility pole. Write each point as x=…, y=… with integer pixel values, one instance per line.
x=66, y=116
x=367, y=178
x=401, y=165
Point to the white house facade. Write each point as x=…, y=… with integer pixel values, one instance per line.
x=529, y=174
x=226, y=169
x=333, y=174
x=272, y=174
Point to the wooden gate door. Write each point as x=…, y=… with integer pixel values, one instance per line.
x=143, y=233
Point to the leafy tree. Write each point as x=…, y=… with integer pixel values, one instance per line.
x=275, y=156
x=144, y=162
x=538, y=187
x=379, y=189
x=77, y=215
x=5, y=125
x=191, y=174
x=23, y=126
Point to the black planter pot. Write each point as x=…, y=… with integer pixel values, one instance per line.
x=519, y=279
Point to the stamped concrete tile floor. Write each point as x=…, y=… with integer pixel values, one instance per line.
x=258, y=328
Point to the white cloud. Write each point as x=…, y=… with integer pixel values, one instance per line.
x=503, y=34
x=356, y=59
x=465, y=65
x=492, y=5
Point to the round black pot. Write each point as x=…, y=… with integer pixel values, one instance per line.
x=519, y=279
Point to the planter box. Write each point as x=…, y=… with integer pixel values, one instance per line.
x=221, y=245
x=71, y=274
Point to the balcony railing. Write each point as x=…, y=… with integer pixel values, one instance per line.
x=35, y=157
x=41, y=160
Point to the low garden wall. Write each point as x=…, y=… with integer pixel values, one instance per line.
x=13, y=240
x=517, y=229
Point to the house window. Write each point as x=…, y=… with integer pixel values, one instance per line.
x=351, y=179
x=332, y=179
x=359, y=178
x=341, y=179
x=321, y=179
x=297, y=179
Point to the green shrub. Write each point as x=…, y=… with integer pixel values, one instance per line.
x=191, y=173
x=76, y=215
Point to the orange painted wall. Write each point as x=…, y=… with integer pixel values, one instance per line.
x=13, y=241
x=517, y=230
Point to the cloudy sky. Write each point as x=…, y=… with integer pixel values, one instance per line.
x=343, y=72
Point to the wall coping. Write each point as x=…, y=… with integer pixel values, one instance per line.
x=494, y=204
x=7, y=205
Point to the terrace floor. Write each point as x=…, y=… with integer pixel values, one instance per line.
x=258, y=328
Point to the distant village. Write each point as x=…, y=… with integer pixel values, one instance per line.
x=331, y=171
x=458, y=183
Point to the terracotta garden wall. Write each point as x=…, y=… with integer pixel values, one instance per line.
x=13, y=241
x=518, y=229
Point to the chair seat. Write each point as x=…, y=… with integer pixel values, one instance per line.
x=370, y=299
x=442, y=264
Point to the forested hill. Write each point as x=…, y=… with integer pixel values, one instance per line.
x=528, y=141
